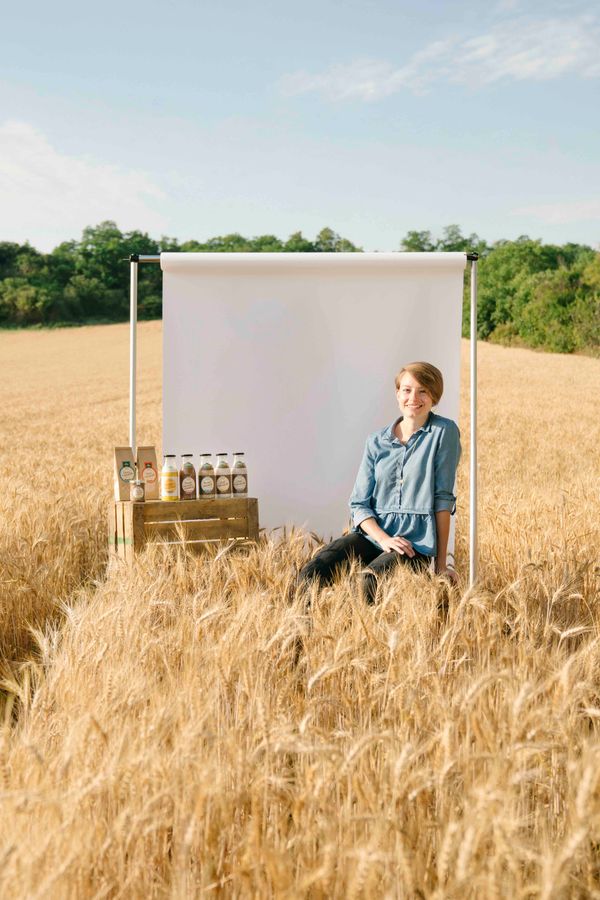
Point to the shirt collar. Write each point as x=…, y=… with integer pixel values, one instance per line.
x=425, y=427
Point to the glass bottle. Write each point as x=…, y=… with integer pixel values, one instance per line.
x=168, y=478
x=239, y=475
x=206, y=477
x=187, y=478
x=222, y=476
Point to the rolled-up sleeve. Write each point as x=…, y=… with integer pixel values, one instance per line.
x=447, y=457
x=362, y=495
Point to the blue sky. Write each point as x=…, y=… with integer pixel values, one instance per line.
x=370, y=116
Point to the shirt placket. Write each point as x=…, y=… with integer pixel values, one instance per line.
x=400, y=473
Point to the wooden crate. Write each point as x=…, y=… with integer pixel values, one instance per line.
x=196, y=522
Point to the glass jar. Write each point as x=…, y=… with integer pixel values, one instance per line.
x=138, y=491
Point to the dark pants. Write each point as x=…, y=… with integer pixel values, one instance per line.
x=324, y=565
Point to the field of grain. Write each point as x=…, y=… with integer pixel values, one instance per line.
x=185, y=729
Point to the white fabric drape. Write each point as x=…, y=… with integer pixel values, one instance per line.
x=291, y=358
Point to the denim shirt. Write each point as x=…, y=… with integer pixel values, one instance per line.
x=403, y=486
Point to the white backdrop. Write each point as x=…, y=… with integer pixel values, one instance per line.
x=291, y=358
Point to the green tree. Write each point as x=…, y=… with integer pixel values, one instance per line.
x=586, y=309
x=266, y=243
x=22, y=303
x=543, y=310
x=417, y=242
x=9, y=255
x=297, y=243
x=503, y=271
x=328, y=241
x=100, y=260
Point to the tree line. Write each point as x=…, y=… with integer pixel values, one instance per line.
x=529, y=293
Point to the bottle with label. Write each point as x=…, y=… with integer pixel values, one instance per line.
x=222, y=476
x=239, y=476
x=187, y=478
x=168, y=478
x=127, y=472
x=206, y=478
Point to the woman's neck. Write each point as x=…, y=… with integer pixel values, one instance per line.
x=406, y=427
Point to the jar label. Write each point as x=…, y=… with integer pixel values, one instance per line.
x=188, y=484
x=137, y=492
x=126, y=472
x=223, y=486
x=240, y=484
x=207, y=484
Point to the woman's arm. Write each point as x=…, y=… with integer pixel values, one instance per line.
x=446, y=463
x=442, y=525
x=399, y=544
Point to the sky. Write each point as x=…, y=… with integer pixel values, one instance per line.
x=371, y=117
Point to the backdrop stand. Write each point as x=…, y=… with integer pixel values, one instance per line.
x=137, y=258
x=473, y=548
x=134, y=260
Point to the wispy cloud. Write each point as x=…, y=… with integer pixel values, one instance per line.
x=46, y=192
x=518, y=49
x=562, y=213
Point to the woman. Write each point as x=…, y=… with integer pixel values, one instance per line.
x=403, y=496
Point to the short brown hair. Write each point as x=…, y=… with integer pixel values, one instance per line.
x=427, y=375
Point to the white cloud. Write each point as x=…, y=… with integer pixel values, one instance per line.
x=518, y=49
x=562, y=213
x=46, y=194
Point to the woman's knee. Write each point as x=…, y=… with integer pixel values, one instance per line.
x=323, y=565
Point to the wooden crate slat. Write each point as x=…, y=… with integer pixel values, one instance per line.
x=171, y=511
x=218, y=529
x=253, y=519
x=112, y=530
x=137, y=526
x=128, y=542
x=121, y=538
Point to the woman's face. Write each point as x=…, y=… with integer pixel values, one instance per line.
x=413, y=399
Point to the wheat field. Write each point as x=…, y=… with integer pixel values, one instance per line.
x=184, y=728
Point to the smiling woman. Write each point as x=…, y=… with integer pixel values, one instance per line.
x=403, y=496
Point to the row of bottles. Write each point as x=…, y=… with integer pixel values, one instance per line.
x=221, y=480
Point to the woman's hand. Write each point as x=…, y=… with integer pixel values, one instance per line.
x=445, y=572
x=399, y=544
x=387, y=543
